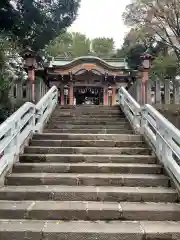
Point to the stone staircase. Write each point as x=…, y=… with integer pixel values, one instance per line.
x=87, y=177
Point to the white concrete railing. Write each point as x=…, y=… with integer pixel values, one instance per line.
x=130, y=107
x=19, y=127
x=164, y=138
x=45, y=107
x=162, y=135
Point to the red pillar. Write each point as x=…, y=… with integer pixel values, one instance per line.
x=71, y=95
x=145, y=78
x=31, y=75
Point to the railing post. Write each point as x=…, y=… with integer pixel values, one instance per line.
x=143, y=121
x=159, y=142
x=13, y=146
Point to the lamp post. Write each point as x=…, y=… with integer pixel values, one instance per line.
x=30, y=63
x=146, y=65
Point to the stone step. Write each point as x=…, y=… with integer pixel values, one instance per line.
x=90, y=120
x=89, y=179
x=88, y=230
x=87, y=117
x=76, y=107
x=88, y=150
x=89, y=106
x=89, y=211
x=90, y=110
x=89, y=131
x=88, y=193
x=87, y=168
x=95, y=113
x=86, y=126
x=75, y=158
x=101, y=114
x=110, y=137
x=86, y=143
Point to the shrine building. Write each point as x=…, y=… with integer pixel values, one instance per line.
x=86, y=78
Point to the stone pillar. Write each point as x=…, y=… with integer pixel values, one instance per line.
x=31, y=75
x=105, y=96
x=158, y=92
x=138, y=90
x=71, y=95
x=167, y=99
x=176, y=92
x=148, y=92
x=29, y=91
x=19, y=91
x=62, y=95
x=114, y=96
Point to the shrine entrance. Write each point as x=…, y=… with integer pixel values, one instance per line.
x=88, y=95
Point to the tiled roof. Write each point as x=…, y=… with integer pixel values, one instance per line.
x=116, y=63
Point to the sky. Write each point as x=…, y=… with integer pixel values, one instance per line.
x=102, y=18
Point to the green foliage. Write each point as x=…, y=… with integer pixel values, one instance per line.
x=10, y=71
x=158, y=19
x=103, y=47
x=133, y=56
x=76, y=44
x=120, y=53
x=164, y=67
x=80, y=45
x=69, y=45
x=35, y=22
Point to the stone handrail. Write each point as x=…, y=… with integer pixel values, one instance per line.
x=130, y=107
x=162, y=135
x=45, y=107
x=164, y=138
x=19, y=127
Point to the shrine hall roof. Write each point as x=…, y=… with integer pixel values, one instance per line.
x=109, y=63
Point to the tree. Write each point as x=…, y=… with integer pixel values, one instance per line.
x=80, y=45
x=103, y=47
x=35, y=22
x=60, y=46
x=69, y=45
x=160, y=19
x=11, y=71
x=134, y=56
x=164, y=67
x=119, y=53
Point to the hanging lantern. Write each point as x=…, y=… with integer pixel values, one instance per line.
x=66, y=91
x=109, y=91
